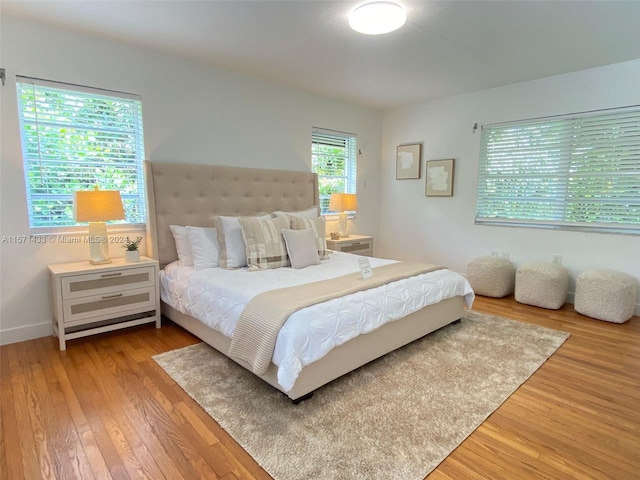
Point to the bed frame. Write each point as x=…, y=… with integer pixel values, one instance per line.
x=190, y=194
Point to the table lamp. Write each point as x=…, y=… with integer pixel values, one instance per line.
x=96, y=207
x=343, y=203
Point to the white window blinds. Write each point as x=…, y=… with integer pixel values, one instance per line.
x=578, y=171
x=333, y=158
x=74, y=138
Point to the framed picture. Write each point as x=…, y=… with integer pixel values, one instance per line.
x=439, y=177
x=408, y=160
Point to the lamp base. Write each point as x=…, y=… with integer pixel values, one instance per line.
x=342, y=225
x=100, y=262
x=98, y=243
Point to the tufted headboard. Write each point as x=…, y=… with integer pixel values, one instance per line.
x=190, y=194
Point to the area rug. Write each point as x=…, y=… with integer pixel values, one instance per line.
x=395, y=418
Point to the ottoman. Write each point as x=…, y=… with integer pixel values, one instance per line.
x=491, y=276
x=542, y=284
x=606, y=295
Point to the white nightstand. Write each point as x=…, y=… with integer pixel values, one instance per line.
x=89, y=299
x=358, y=244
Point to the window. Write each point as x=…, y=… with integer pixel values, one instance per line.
x=579, y=171
x=333, y=158
x=74, y=138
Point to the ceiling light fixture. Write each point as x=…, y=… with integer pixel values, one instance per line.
x=375, y=18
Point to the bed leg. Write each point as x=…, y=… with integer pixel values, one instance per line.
x=302, y=398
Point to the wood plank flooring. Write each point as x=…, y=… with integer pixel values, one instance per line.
x=104, y=410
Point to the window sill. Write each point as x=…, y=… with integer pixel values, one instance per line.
x=567, y=228
x=330, y=217
x=84, y=229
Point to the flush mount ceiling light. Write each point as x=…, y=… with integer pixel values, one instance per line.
x=375, y=18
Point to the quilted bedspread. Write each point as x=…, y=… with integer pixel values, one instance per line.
x=217, y=297
x=254, y=338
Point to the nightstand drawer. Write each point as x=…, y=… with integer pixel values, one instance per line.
x=109, y=304
x=363, y=248
x=107, y=282
x=355, y=244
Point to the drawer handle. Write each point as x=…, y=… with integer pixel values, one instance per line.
x=355, y=243
x=105, y=275
x=112, y=296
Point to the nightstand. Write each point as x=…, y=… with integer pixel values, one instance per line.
x=358, y=244
x=90, y=299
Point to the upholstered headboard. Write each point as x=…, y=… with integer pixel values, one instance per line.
x=190, y=194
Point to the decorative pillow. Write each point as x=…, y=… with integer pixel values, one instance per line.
x=264, y=241
x=204, y=247
x=317, y=225
x=308, y=213
x=301, y=247
x=183, y=246
x=230, y=240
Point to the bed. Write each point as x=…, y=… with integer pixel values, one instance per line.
x=190, y=194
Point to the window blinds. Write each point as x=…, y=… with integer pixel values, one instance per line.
x=580, y=171
x=74, y=138
x=333, y=158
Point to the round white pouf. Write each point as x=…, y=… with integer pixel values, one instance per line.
x=491, y=276
x=606, y=295
x=542, y=284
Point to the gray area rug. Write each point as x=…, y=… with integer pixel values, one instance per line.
x=395, y=418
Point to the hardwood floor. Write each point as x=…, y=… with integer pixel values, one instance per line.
x=104, y=409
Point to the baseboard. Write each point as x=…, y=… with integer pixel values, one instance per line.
x=28, y=332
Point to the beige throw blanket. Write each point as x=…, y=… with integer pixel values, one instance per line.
x=254, y=338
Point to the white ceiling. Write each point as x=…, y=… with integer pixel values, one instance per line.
x=445, y=48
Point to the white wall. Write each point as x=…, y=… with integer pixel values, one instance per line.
x=441, y=230
x=192, y=113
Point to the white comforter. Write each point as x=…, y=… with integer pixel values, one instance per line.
x=216, y=297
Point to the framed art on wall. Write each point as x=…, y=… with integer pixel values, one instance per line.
x=439, y=178
x=408, y=160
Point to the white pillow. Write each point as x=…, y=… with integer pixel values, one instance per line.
x=231, y=243
x=309, y=213
x=317, y=226
x=301, y=247
x=183, y=246
x=204, y=247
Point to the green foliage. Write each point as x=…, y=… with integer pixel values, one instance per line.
x=329, y=162
x=73, y=141
x=131, y=245
x=575, y=171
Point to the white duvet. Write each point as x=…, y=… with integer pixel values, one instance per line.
x=216, y=297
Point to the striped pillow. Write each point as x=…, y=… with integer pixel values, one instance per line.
x=308, y=213
x=265, y=247
x=232, y=249
x=315, y=224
